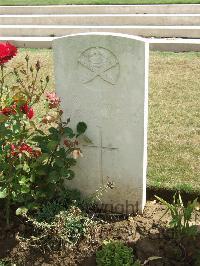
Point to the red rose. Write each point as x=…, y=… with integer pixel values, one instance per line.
x=12, y=147
x=25, y=147
x=27, y=110
x=30, y=113
x=7, y=52
x=8, y=111
x=13, y=150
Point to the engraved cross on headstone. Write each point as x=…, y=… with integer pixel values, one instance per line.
x=101, y=148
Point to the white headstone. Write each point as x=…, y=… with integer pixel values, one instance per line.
x=102, y=79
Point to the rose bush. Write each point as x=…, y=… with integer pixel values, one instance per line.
x=36, y=151
x=7, y=52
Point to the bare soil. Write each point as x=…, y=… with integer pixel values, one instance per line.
x=149, y=237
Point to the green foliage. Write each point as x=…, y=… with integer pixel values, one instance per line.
x=197, y=258
x=70, y=197
x=37, y=152
x=48, y=212
x=75, y=226
x=5, y=262
x=115, y=253
x=65, y=229
x=180, y=216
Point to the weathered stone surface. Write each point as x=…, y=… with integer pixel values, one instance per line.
x=102, y=9
x=102, y=79
x=173, y=45
x=62, y=30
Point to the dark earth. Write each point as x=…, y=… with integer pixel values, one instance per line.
x=148, y=235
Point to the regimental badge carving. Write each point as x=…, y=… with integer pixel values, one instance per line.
x=98, y=62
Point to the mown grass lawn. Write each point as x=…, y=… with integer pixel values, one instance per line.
x=101, y=2
x=174, y=115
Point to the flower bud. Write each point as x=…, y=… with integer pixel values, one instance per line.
x=15, y=71
x=38, y=66
x=37, y=98
x=47, y=79
x=27, y=58
x=67, y=143
x=31, y=69
x=77, y=153
x=76, y=143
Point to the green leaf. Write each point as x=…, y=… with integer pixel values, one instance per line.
x=43, y=158
x=19, y=166
x=39, y=138
x=33, y=206
x=26, y=168
x=21, y=211
x=137, y=263
x=68, y=174
x=25, y=189
x=27, y=153
x=81, y=128
x=59, y=162
x=69, y=132
x=40, y=131
x=3, y=118
x=52, y=145
x=32, y=178
x=87, y=140
x=53, y=130
x=23, y=180
x=54, y=177
x=3, y=193
x=32, y=124
x=41, y=172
